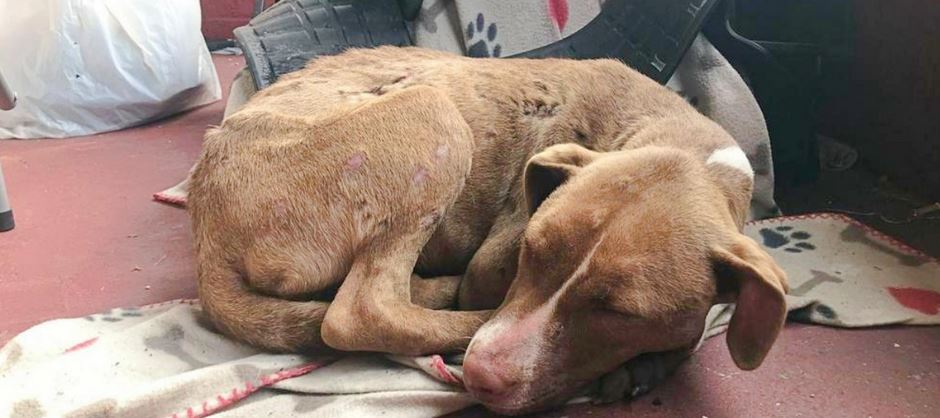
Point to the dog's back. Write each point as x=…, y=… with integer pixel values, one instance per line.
x=278, y=195
x=280, y=202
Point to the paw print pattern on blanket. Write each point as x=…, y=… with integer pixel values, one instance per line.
x=27, y=408
x=114, y=315
x=482, y=44
x=784, y=236
x=171, y=342
x=813, y=313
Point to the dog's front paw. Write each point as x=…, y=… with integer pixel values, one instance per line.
x=638, y=376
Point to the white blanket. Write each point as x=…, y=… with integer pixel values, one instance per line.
x=165, y=360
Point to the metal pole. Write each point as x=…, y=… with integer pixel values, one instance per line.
x=7, y=101
x=6, y=212
x=7, y=95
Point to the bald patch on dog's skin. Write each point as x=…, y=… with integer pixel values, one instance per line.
x=732, y=157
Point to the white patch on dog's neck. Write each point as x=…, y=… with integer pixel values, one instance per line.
x=732, y=157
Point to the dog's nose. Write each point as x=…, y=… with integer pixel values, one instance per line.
x=485, y=380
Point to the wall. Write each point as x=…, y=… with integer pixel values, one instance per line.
x=889, y=106
x=220, y=17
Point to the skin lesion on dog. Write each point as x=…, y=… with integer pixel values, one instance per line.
x=355, y=162
x=387, y=87
x=441, y=152
x=420, y=176
x=539, y=108
x=539, y=84
x=431, y=219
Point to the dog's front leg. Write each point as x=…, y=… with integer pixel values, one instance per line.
x=493, y=267
x=373, y=310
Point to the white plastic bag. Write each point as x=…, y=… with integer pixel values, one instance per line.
x=87, y=66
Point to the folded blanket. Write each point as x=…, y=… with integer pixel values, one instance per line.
x=166, y=360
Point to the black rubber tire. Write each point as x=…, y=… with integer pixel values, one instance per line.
x=6, y=221
x=410, y=9
x=284, y=37
x=783, y=99
x=649, y=35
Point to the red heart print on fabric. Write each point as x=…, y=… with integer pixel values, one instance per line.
x=924, y=301
x=558, y=10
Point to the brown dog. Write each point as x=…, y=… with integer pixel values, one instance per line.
x=610, y=206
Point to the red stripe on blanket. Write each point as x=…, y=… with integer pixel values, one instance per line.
x=558, y=10
x=81, y=345
x=225, y=400
x=173, y=200
x=437, y=362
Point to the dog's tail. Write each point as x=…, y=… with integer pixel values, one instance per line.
x=271, y=323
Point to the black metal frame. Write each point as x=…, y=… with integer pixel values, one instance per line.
x=785, y=102
x=7, y=102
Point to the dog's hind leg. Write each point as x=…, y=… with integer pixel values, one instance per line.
x=416, y=163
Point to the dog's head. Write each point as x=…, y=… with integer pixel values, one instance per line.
x=624, y=254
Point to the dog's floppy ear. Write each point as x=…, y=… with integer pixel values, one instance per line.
x=552, y=167
x=747, y=275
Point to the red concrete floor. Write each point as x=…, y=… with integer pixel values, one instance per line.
x=89, y=238
x=221, y=17
x=812, y=372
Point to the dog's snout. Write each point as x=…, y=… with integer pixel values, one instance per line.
x=485, y=379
